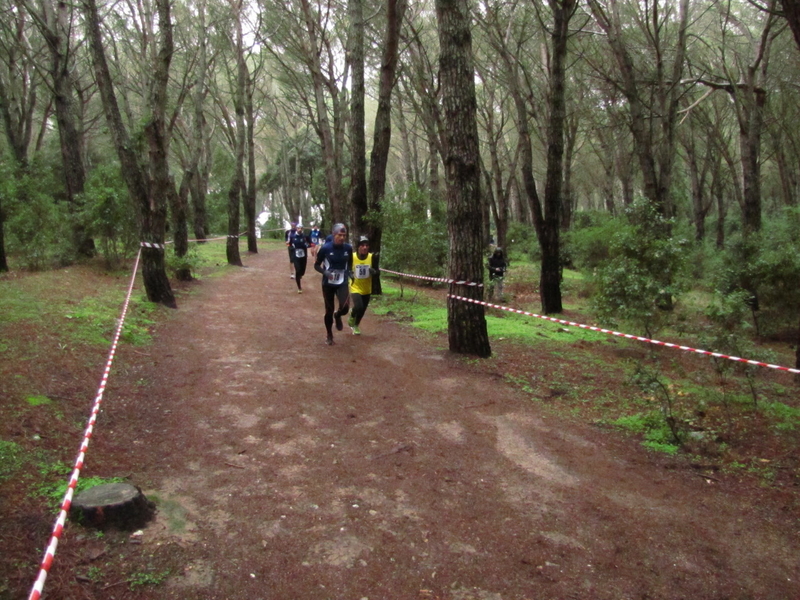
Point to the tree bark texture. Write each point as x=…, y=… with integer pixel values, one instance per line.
x=250, y=188
x=155, y=129
x=466, y=322
x=750, y=129
x=237, y=182
x=180, y=228
x=18, y=88
x=54, y=26
x=3, y=258
x=200, y=155
x=328, y=135
x=549, y=239
x=358, y=144
x=150, y=202
x=382, y=137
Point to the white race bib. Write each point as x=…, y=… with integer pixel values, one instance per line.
x=299, y=252
x=362, y=272
x=335, y=277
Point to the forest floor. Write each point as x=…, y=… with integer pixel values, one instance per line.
x=381, y=468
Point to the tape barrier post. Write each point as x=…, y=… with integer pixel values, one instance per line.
x=58, y=528
x=629, y=336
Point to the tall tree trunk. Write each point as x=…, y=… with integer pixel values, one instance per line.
x=237, y=181
x=408, y=155
x=250, y=191
x=358, y=144
x=549, y=238
x=55, y=27
x=787, y=170
x=180, y=231
x=3, y=258
x=719, y=240
x=150, y=201
x=17, y=100
x=382, y=138
x=568, y=200
x=750, y=129
x=161, y=185
x=323, y=125
x=466, y=322
x=200, y=158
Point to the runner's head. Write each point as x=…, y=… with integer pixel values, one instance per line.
x=339, y=232
x=363, y=246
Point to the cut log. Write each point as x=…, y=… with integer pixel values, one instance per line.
x=119, y=505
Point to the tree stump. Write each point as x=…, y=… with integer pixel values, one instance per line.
x=119, y=505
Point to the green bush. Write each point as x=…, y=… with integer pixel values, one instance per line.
x=764, y=270
x=586, y=245
x=645, y=272
x=521, y=239
x=37, y=229
x=412, y=242
x=108, y=213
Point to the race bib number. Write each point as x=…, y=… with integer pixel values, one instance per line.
x=299, y=252
x=335, y=277
x=362, y=272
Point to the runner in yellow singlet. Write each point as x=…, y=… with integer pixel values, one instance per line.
x=361, y=283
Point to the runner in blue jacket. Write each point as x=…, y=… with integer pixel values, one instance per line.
x=334, y=261
x=299, y=245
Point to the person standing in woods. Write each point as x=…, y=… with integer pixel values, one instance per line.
x=334, y=260
x=497, y=270
x=361, y=283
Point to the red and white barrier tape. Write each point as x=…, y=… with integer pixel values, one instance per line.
x=628, y=335
x=58, y=529
x=152, y=245
x=457, y=282
x=209, y=239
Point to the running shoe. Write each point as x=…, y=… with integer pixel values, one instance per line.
x=338, y=319
x=299, y=291
x=329, y=341
x=356, y=330
x=351, y=321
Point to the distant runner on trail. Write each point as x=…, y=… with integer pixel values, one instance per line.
x=288, y=238
x=299, y=245
x=334, y=261
x=361, y=284
x=315, y=239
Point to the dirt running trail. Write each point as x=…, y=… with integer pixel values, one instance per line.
x=386, y=468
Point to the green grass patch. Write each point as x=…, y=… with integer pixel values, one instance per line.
x=59, y=303
x=144, y=578
x=532, y=330
x=12, y=459
x=787, y=418
x=38, y=400
x=653, y=429
x=430, y=315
